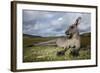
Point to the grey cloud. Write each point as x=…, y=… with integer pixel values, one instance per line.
x=47, y=23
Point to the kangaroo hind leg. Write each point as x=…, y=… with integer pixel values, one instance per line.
x=61, y=53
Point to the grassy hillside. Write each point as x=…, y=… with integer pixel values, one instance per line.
x=49, y=53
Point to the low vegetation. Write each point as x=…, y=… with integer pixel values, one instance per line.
x=49, y=53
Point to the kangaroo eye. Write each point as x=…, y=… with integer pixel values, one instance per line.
x=72, y=27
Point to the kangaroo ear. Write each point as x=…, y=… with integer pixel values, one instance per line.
x=77, y=21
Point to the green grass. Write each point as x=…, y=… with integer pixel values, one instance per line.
x=49, y=53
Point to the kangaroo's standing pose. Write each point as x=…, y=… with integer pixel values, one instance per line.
x=72, y=40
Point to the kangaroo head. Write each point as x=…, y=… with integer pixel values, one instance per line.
x=73, y=28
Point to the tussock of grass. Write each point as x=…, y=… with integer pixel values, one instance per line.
x=49, y=53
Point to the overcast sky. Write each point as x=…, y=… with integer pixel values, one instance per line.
x=48, y=23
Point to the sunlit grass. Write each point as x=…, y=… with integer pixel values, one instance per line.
x=49, y=53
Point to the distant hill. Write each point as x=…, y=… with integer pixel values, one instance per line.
x=35, y=36
x=86, y=34
x=31, y=36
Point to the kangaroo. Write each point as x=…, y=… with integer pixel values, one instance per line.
x=72, y=40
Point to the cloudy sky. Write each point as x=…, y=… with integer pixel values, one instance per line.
x=50, y=23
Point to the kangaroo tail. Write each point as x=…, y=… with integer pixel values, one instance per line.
x=51, y=42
